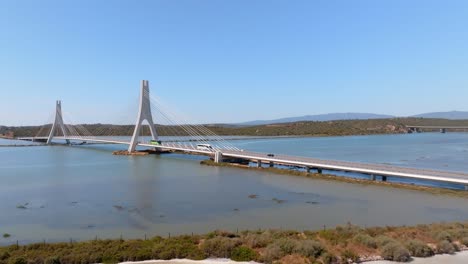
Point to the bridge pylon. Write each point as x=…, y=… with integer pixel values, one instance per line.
x=144, y=113
x=58, y=123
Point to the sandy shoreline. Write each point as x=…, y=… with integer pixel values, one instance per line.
x=188, y=261
x=458, y=258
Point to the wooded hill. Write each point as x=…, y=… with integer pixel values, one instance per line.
x=308, y=128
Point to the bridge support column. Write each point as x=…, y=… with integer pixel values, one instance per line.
x=272, y=164
x=218, y=157
x=466, y=187
x=372, y=177
x=259, y=163
x=308, y=169
x=384, y=178
x=144, y=113
x=58, y=124
x=319, y=170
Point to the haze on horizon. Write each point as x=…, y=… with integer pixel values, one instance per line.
x=231, y=61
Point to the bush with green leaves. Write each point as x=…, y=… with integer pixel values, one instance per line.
x=18, y=260
x=309, y=248
x=220, y=247
x=257, y=240
x=52, y=260
x=417, y=248
x=329, y=258
x=383, y=240
x=395, y=252
x=443, y=235
x=464, y=241
x=271, y=253
x=243, y=253
x=366, y=240
x=445, y=247
x=349, y=255
x=287, y=246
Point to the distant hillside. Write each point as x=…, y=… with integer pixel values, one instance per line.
x=445, y=115
x=323, y=117
x=302, y=128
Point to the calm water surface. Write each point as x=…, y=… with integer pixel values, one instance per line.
x=83, y=191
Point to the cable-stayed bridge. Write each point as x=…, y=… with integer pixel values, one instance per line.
x=197, y=139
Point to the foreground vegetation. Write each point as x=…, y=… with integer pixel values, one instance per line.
x=343, y=244
x=309, y=128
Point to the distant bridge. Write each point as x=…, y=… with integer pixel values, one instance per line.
x=221, y=151
x=442, y=129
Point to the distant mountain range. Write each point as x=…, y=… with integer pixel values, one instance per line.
x=353, y=116
x=456, y=115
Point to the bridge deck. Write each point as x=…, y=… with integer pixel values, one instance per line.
x=375, y=169
x=372, y=169
x=439, y=127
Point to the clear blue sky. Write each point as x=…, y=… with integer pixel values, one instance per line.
x=231, y=61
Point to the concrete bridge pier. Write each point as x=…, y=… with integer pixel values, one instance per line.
x=308, y=169
x=259, y=163
x=372, y=177
x=466, y=187
x=272, y=164
x=319, y=170
x=218, y=157
x=384, y=178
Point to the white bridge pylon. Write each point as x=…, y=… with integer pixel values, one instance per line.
x=58, y=123
x=144, y=113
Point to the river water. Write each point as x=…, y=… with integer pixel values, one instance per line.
x=57, y=193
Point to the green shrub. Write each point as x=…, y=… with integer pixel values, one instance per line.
x=52, y=260
x=272, y=252
x=365, y=240
x=243, y=253
x=182, y=247
x=257, y=241
x=309, y=248
x=4, y=255
x=395, y=252
x=18, y=260
x=384, y=240
x=278, y=234
x=220, y=247
x=330, y=236
x=458, y=233
x=287, y=245
x=418, y=248
x=329, y=258
x=443, y=235
x=340, y=235
x=349, y=255
x=464, y=241
x=445, y=247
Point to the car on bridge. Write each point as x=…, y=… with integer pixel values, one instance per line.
x=270, y=155
x=206, y=147
x=155, y=142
